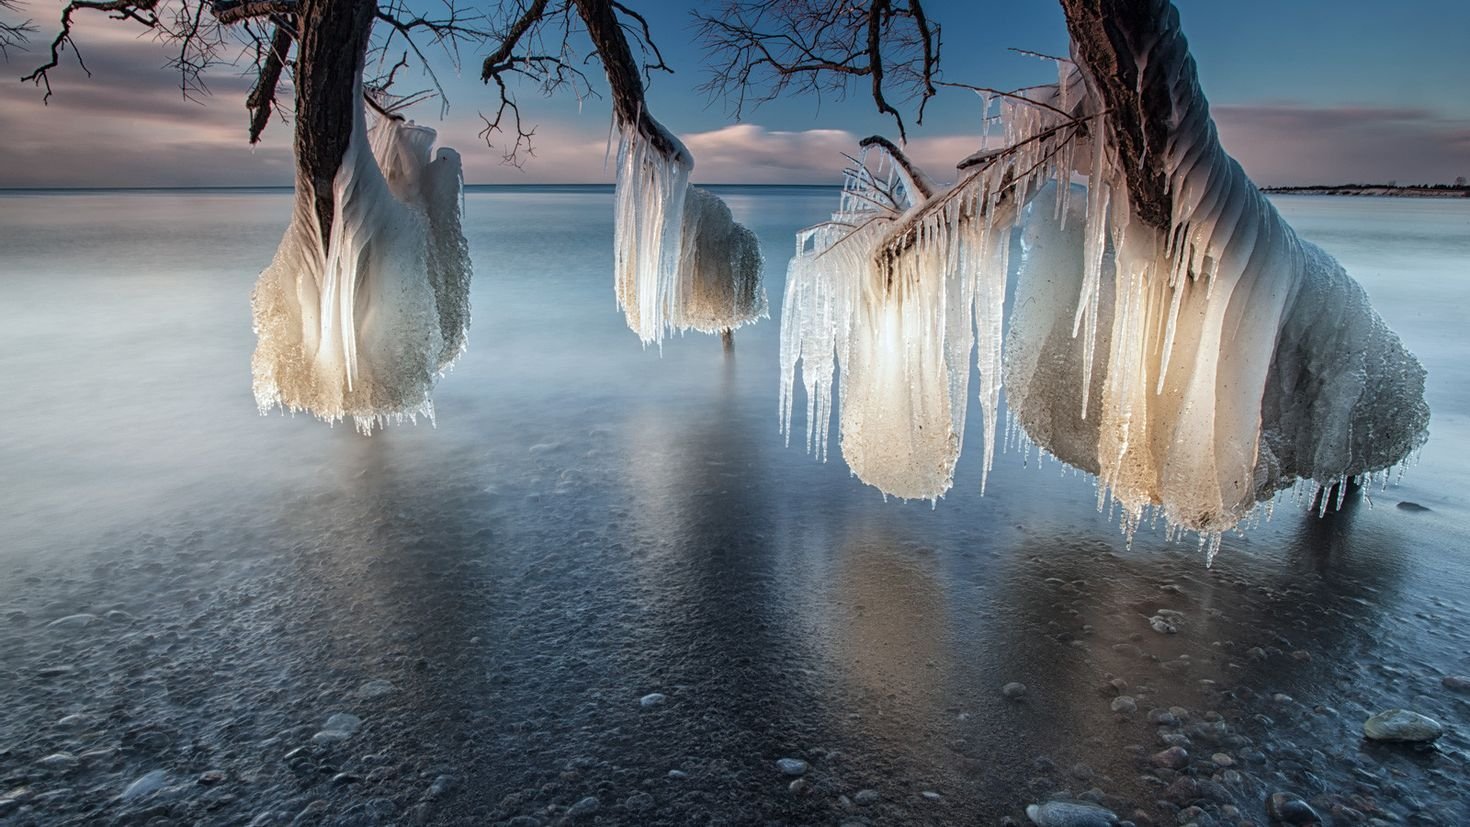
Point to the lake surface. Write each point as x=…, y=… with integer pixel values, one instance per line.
x=189, y=591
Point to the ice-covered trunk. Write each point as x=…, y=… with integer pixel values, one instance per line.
x=1172, y=334
x=1216, y=352
x=366, y=298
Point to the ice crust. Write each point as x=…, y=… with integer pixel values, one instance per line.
x=681, y=262
x=1196, y=372
x=361, y=325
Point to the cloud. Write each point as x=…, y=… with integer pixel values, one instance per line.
x=1287, y=143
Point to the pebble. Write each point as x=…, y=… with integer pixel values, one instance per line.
x=1162, y=717
x=1013, y=690
x=441, y=786
x=652, y=699
x=638, y=802
x=147, y=784
x=1161, y=625
x=678, y=775
x=339, y=727
x=76, y=621
x=1282, y=808
x=1459, y=683
x=59, y=761
x=584, y=808
x=376, y=689
x=1174, y=758
x=864, y=798
x=931, y=795
x=73, y=721
x=1124, y=703
x=1222, y=760
x=1070, y=814
x=792, y=766
x=1402, y=725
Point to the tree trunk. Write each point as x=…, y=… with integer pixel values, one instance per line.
x=1135, y=54
x=333, y=44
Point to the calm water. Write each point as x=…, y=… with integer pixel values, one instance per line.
x=590, y=522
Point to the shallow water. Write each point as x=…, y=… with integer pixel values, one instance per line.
x=590, y=522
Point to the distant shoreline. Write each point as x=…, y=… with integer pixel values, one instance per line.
x=1435, y=191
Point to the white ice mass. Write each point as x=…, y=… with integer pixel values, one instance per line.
x=361, y=324
x=1196, y=372
x=681, y=262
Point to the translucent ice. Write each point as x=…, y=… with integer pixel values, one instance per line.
x=361, y=324
x=681, y=261
x=1197, y=370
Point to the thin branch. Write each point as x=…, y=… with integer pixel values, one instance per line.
x=141, y=11
x=262, y=99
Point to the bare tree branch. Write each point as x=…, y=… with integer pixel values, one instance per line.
x=13, y=35
x=262, y=99
x=822, y=47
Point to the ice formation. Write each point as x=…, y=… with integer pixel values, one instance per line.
x=361, y=324
x=681, y=261
x=1196, y=371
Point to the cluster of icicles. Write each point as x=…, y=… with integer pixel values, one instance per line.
x=1195, y=373
x=363, y=323
x=681, y=262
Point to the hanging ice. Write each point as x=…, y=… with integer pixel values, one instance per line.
x=361, y=324
x=1197, y=370
x=680, y=260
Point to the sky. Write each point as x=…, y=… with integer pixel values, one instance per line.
x=1303, y=92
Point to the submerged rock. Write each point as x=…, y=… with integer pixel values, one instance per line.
x=792, y=766
x=1283, y=808
x=1070, y=814
x=147, y=784
x=1459, y=683
x=1402, y=725
x=1013, y=690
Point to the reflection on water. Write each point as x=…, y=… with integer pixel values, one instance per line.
x=187, y=587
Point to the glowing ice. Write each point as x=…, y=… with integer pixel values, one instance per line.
x=1196, y=371
x=361, y=324
x=681, y=261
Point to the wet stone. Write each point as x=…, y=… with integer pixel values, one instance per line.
x=376, y=689
x=1174, y=758
x=792, y=766
x=584, y=808
x=59, y=761
x=1283, y=808
x=864, y=798
x=638, y=802
x=1013, y=690
x=1124, y=704
x=76, y=621
x=211, y=777
x=147, y=784
x=1162, y=625
x=1402, y=726
x=652, y=700
x=1459, y=683
x=1070, y=814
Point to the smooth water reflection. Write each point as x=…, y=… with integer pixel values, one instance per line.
x=590, y=522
